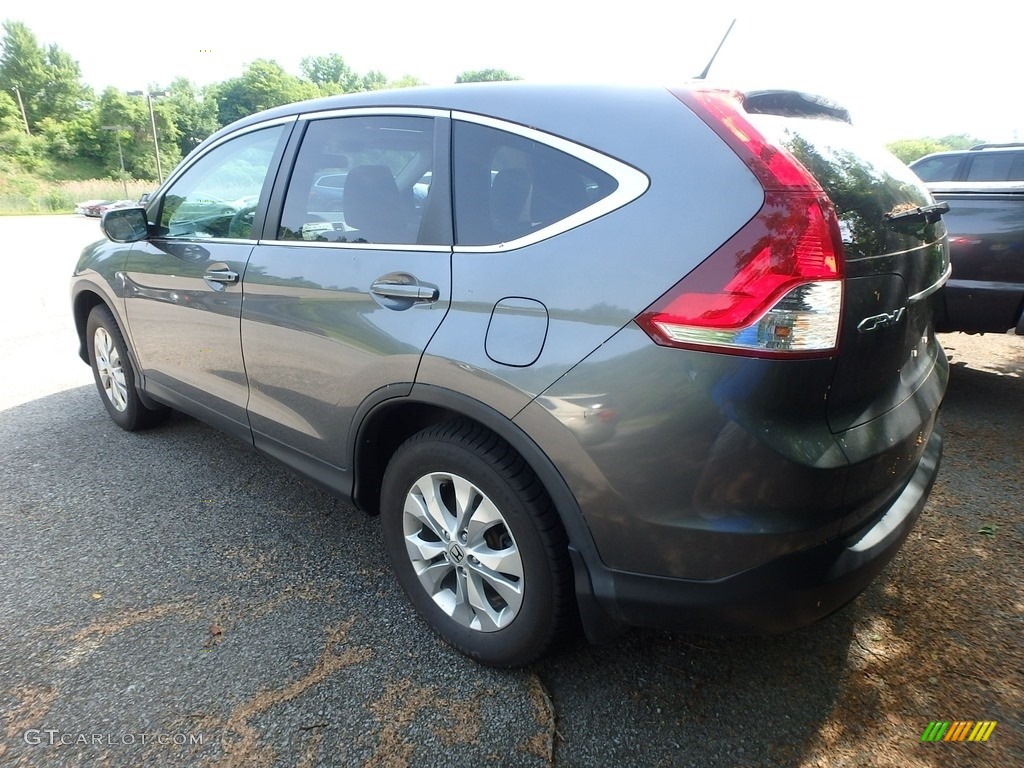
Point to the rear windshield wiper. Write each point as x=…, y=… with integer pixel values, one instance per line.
x=930, y=213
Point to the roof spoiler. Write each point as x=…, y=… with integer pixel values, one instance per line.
x=794, y=104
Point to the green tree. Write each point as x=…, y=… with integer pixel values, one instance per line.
x=909, y=150
x=263, y=85
x=485, y=76
x=373, y=80
x=60, y=142
x=64, y=94
x=131, y=113
x=10, y=114
x=193, y=112
x=49, y=80
x=331, y=73
x=406, y=81
x=168, y=135
x=23, y=66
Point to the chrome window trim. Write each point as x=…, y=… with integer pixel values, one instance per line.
x=360, y=246
x=376, y=111
x=632, y=182
x=218, y=240
x=233, y=135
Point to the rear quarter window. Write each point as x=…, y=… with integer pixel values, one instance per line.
x=1017, y=169
x=993, y=166
x=508, y=186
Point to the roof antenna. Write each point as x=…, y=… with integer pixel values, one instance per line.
x=703, y=75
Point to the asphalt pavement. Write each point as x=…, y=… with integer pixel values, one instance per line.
x=173, y=598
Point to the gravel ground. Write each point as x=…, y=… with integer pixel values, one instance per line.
x=175, y=586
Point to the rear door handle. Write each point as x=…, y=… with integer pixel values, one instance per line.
x=400, y=285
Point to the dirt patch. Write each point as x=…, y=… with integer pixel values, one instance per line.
x=396, y=709
x=242, y=747
x=87, y=640
x=542, y=743
x=455, y=719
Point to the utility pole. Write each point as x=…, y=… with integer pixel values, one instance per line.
x=152, y=121
x=21, y=104
x=117, y=133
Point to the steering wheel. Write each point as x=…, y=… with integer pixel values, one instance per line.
x=241, y=223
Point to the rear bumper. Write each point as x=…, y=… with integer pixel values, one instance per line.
x=778, y=596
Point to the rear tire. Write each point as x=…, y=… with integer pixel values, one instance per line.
x=476, y=544
x=114, y=375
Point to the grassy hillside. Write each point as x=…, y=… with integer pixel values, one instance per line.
x=22, y=192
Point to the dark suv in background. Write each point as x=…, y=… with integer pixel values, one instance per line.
x=984, y=188
x=984, y=162
x=642, y=356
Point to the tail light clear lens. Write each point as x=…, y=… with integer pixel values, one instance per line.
x=775, y=288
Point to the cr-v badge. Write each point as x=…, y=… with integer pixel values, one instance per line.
x=884, y=320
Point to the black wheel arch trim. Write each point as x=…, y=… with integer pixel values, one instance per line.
x=103, y=296
x=84, y=285
x=598, y=623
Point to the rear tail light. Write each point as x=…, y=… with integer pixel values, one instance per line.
x=774, y=289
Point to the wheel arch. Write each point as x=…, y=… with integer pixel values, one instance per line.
x=387, y=419
x=85, y=298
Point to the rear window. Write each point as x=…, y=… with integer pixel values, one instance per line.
x=863, y=179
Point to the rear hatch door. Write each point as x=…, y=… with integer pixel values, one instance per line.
x=891, y=371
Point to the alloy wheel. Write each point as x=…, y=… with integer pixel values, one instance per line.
x=110, y=369
x=463, y=552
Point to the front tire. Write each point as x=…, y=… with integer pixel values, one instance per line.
x=476, y=544
x=114, y=375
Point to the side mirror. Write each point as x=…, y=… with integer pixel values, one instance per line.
x=125, y=225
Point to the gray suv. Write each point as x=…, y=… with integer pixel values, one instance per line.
x=983, y=162
x=621, y=357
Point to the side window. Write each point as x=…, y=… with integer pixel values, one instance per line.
x=1017, y=169
x=218, y=195
x=360, y=180
x=507, y=186
x=994, y=166
x=938, y=168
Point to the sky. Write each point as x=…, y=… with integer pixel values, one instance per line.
x=904, y=70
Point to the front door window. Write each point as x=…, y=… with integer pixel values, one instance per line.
x=217, y=197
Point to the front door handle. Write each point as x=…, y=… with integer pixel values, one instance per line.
x=400, y=285
x=219, y=274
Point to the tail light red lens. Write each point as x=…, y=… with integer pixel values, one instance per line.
x=775, y=287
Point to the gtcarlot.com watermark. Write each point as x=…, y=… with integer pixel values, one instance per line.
x=52, y=737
